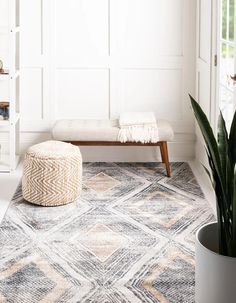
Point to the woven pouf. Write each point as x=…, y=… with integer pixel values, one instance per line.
x=52, y=173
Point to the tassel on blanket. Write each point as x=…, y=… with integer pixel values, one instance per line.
x=138, y=127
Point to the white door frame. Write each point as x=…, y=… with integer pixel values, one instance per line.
x=216, y=27
x=205, y=68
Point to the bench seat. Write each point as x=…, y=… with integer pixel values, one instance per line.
x=99, y=130
x=105, y=133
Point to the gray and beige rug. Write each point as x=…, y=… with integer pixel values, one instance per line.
x=129, y=239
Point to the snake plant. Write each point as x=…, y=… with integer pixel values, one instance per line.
x=221, y=152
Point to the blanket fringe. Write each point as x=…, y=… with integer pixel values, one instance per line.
x=143, y=134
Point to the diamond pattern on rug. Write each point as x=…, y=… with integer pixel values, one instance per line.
x=103, y=266
x=108, y=182
x=21, y=280
x=43, y=219
x=31, y=279
x=152, y=171
x=184, y=180
x=102, y=241
x=101, y=183
x=12, y=238
x=104, y=295
x=159, y=208
x=166, y=278
x=181, y=286
x=128, y=239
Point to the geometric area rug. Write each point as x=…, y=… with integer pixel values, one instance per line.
x=129, y=239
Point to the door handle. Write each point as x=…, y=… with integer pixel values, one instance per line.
x=233, y=78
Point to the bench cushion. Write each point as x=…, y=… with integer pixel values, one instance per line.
x=99, y=130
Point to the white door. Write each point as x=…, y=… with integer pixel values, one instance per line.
x=204, y=67
x=227, y=52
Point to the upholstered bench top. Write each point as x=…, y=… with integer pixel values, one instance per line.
x=99, y=130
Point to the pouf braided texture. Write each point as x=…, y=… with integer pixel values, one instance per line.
x=52, y=173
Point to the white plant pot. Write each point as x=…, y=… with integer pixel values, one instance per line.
x=215, y=274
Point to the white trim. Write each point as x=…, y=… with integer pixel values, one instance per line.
x=8, y=184
x=204, y=182
x=122, y=154
x=215, y=69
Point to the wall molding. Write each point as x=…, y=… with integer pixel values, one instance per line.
x=122, y=154
x=118, y=57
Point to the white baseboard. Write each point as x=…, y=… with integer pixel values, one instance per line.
x=181, y=149
x=204, y=182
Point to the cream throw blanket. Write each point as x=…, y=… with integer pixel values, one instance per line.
x=138, y=127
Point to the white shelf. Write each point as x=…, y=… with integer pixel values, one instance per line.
x=5, y=163
x=4, y=76
x=8, y=76
x=4, y=123
x=9, y=122
x=9, y=162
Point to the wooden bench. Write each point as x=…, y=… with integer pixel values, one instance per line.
x=105, y=133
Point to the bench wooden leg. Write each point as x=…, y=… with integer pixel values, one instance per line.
x=162, y=153
x=165, y=157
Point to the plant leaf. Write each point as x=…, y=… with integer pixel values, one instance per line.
x=223, y=147
x=208, y=137
x=234, y=217
x=222, y=161
x=223, y=206
x=232, y=140
x=206, y=169
x=223, y=212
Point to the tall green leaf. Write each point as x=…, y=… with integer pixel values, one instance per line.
x=209, y=138
x=221, y=201
x=231, y=172
x=222, y=161
x=232, y=139
x=234, y=216
x=223, y=147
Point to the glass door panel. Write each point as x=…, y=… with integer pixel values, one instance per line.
x=227, y=61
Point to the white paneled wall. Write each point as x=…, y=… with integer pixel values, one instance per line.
x=96, y=58
x=82, y=93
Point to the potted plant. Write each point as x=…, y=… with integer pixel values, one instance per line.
x=216, y=242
